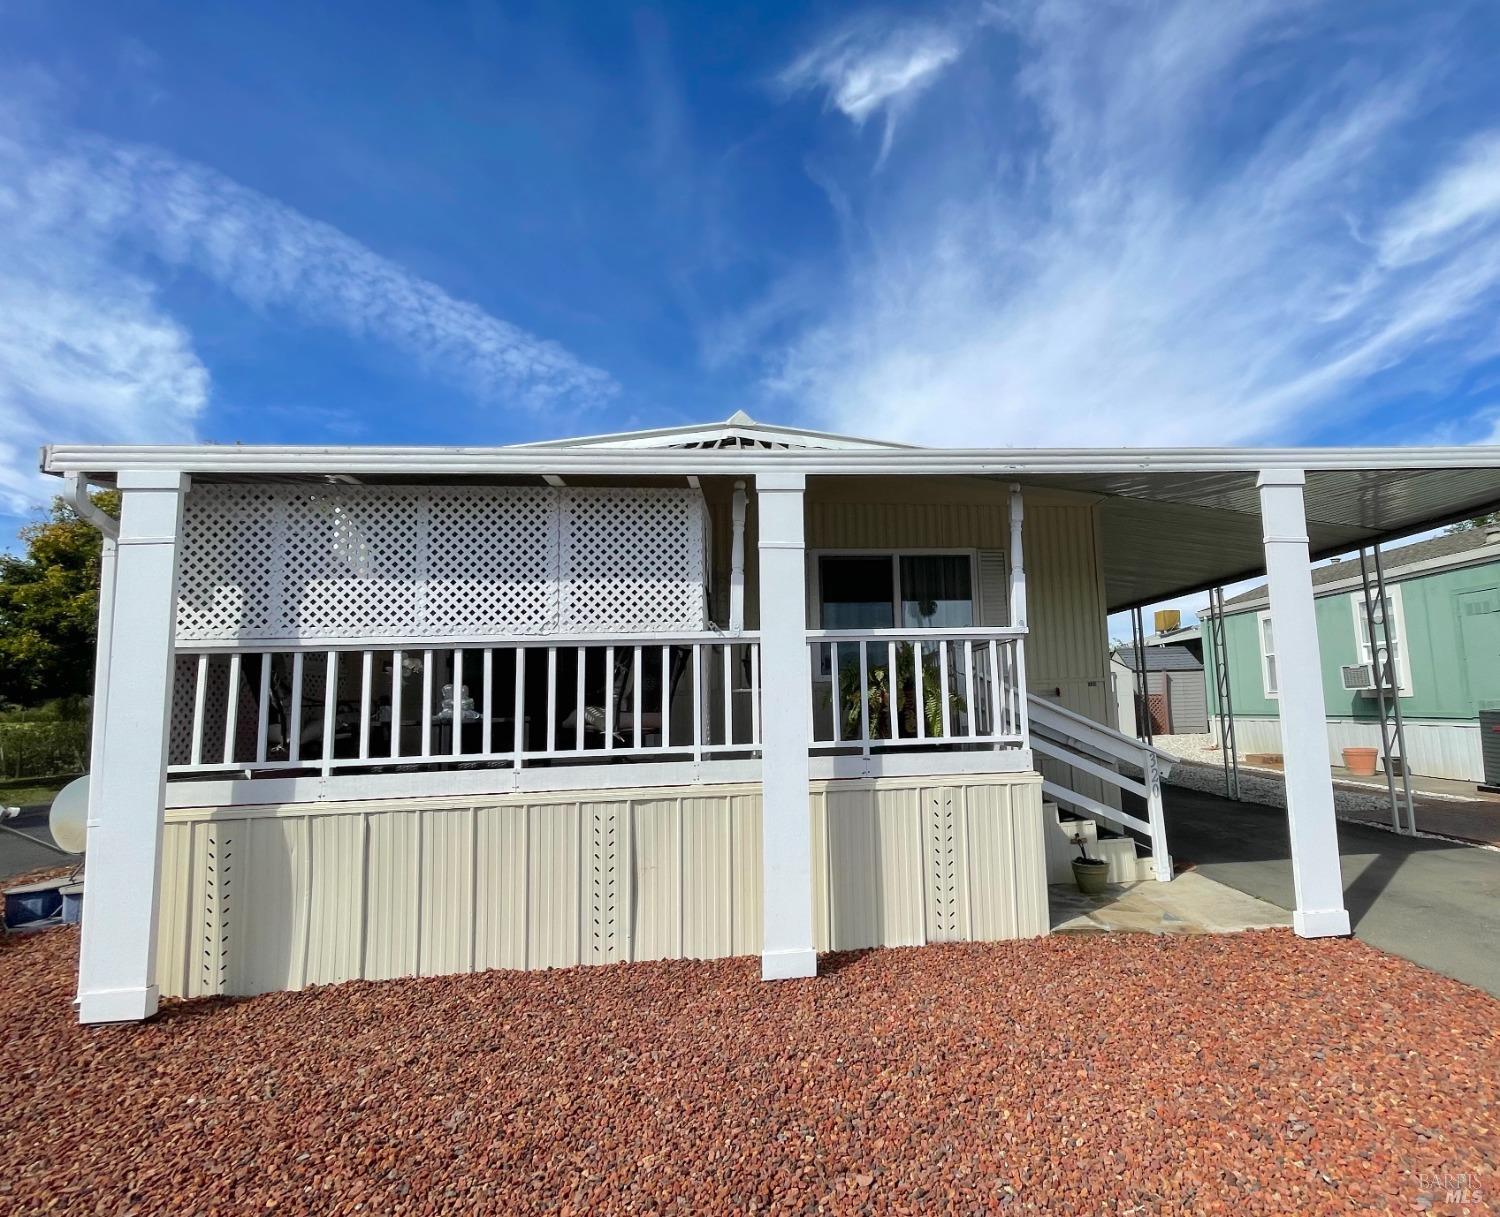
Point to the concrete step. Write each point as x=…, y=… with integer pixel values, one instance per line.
x=1126, y=865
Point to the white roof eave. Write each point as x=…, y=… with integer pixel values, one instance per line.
x=994, y=462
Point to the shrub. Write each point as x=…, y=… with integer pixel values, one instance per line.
x=42, y=748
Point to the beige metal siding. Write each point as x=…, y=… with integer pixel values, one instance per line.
x=257, y=899
x=1067, y=650
x=1067, y=647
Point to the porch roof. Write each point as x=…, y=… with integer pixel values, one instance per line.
x=1175, y=520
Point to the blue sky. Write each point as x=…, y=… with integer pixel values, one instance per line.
x=1002, y=223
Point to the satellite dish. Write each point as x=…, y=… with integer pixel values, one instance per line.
x=68, y=820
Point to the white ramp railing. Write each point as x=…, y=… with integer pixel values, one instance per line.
x=1092, y=748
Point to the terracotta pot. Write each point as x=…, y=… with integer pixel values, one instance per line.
x=1361, y=761
x=1091, y=875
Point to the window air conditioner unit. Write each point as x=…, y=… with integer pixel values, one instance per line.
x=1359, y=677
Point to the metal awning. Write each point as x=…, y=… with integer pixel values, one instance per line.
x=1171, y=534
x=1175, y=520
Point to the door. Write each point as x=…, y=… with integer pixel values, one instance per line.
x=1479, y=644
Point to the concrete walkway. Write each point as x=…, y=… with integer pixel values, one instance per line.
x=1191, y=904
x=1434, y=902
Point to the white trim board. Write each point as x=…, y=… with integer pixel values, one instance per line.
x=449, y=461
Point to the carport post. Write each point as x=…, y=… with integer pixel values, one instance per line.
x=786, y=694
x=1320, y=911
x=117, y=958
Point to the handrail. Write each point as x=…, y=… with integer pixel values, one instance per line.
x=1066, y=736
x=921, y=633
x=1042, y=708
x=447, y=642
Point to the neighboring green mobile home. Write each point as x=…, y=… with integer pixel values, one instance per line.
x=1445, y=616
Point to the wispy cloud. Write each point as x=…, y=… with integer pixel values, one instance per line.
x=1463, y=198
x=878, y=65
x=1211, y=231
x=87, y=350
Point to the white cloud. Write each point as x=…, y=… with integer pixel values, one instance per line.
x=84, y=356
x=876, y=64
x=1462, y=198
x=87, y=351
x=1178, y=252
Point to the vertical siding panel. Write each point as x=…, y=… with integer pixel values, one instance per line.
x=554, y=910
x=818, y=811
x=992, y=862
x=706, y=827
x=853, y=871
x=208, y=922
x=746, y=863
x=899, y=861
x=655, y=896
x=500, y=894
x=392, y=904
x=942, y=863
x=270, y=922
x=173, y=913
x=445, y=892
x=1029, y=849
x=606, y=861
x=337, y=895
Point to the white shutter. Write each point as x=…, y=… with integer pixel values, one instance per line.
x=994, y=584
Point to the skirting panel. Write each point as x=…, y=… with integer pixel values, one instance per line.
x=267, y=898
x=1435, y=748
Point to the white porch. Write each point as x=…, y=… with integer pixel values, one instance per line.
x=228, y=666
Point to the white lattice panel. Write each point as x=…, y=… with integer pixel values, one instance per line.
x=492, y=558
x=351, y=563
x=230, y=559
x=633, y=561
x=379, y=562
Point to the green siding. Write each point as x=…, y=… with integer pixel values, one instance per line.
x=1452, y=638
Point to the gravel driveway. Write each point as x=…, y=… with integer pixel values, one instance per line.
x=1253, y=1073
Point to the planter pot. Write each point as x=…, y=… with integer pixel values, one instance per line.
x=1091, y=876
x=1361, y=761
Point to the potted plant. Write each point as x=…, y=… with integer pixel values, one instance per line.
x=1091, y=874
x=879, y=697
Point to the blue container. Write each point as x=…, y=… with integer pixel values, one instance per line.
x=32, y=902
x=72, y=903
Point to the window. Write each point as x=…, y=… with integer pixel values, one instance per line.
x=881, y=591
x=857, y=593
x=937, y=591
x=1269, y=680
x=1365, y=653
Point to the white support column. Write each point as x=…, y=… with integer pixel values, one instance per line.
x=786, y=819
x=737, y=563
x=1018, y=611
x=1316, y=876
x=117, y=960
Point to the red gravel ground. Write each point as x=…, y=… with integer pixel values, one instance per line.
x=1124, y=1075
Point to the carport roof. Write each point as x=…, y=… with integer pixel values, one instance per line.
x=1174, y=521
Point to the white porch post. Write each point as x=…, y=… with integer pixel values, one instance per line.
x=1018, y=612
x=117, y=960
x=786, y=693
x=1316, y=876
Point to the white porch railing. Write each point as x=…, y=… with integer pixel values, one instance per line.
x=888, y=689
x=327, y=707
x=1095, y=749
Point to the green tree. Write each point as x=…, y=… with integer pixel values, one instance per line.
x=1478, y=522
x=49, y=607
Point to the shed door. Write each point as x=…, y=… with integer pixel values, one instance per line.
x=1479, y=639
